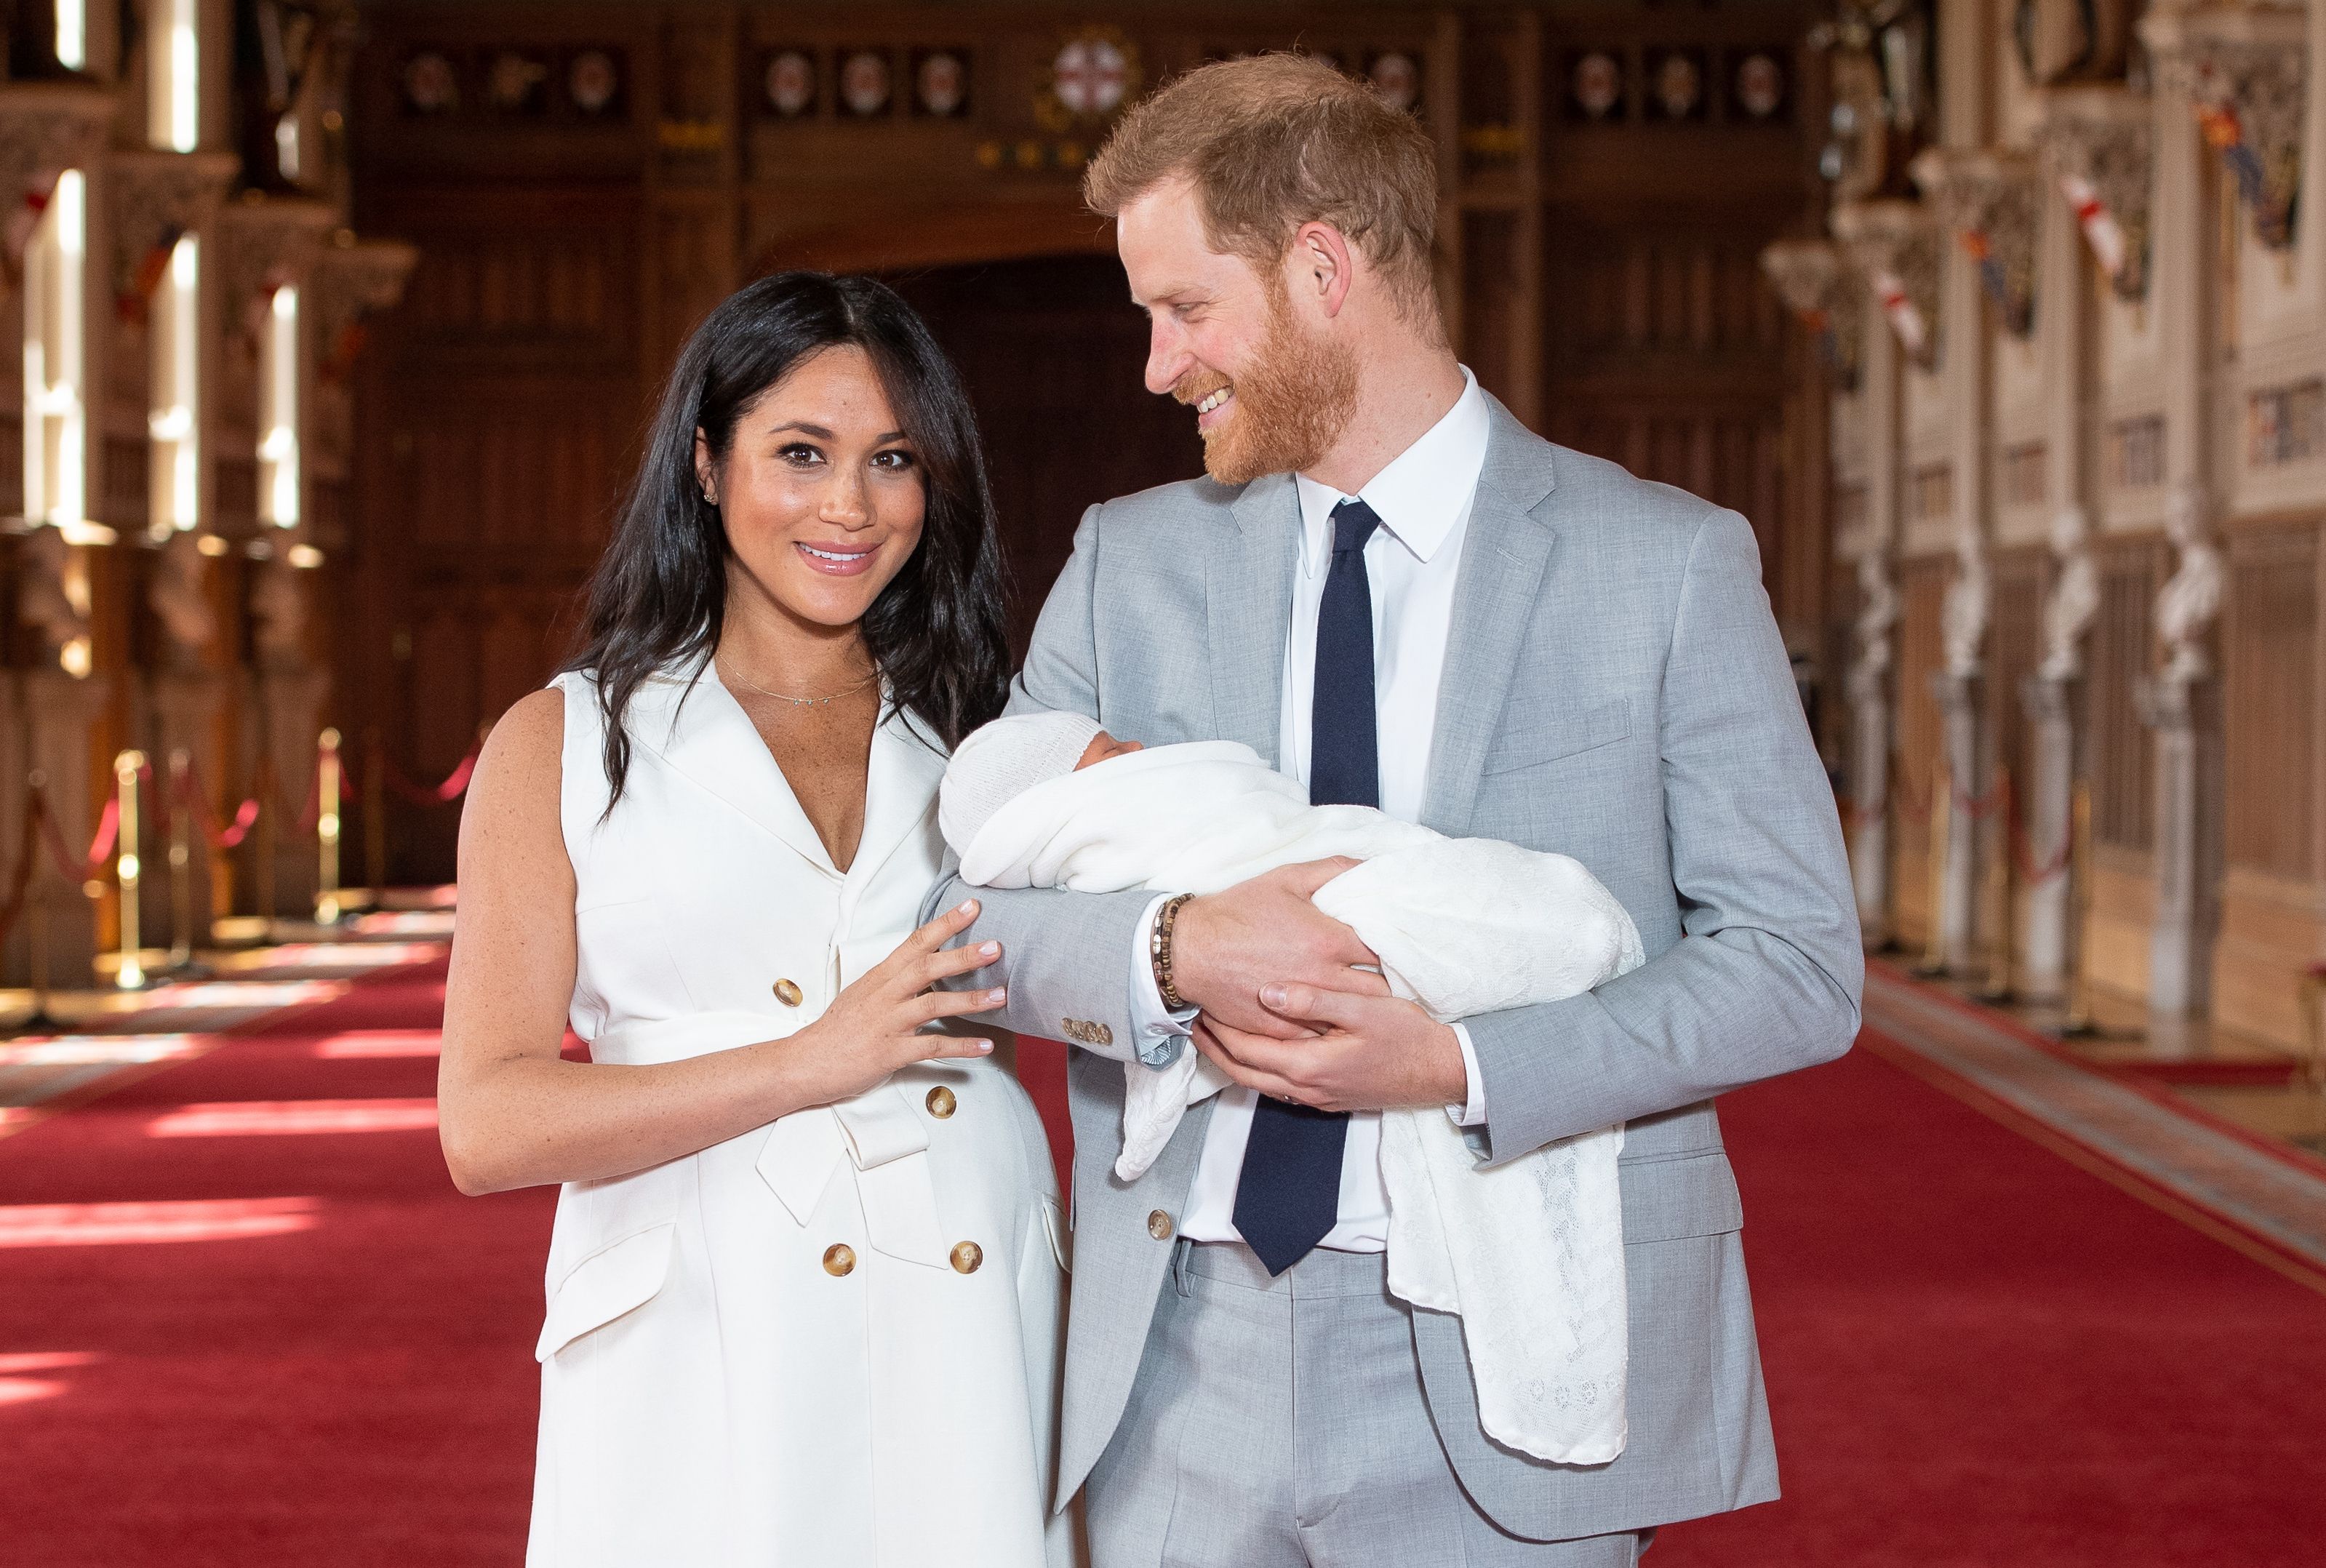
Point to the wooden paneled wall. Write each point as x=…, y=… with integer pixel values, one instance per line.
x=2270, y=720
x=1600, y=268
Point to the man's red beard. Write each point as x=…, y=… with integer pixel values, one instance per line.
x=1291, y=403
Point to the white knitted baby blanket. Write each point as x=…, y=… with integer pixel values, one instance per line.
x=1530, y=1254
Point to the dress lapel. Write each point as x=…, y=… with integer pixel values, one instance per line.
x=1248, y=605
x=1504, y=554
x=698, y=728
x=900, y=790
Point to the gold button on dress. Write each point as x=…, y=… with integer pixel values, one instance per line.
x=787, y=993
x=966, y=1257
x=1158, y=1225
x=839, y=1258
x=941, y=1102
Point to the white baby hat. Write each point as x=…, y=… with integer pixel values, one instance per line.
x=1002, y=761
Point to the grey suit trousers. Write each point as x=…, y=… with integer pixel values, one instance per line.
x=1282, y=1423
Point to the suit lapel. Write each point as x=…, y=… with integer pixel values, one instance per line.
x=1247, y=605
x=1505, y=554
x=702, y=732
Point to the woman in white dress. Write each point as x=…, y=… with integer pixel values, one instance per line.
x=806, y=1283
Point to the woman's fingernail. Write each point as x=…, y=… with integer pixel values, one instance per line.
x=983, y=1046
x=1272, y=995
x=990, y=950
x=968, y=906
x=998, y=994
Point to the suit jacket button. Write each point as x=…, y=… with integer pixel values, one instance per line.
x=787, y=993
x=941, y=1102
x=966, y=1257
x=1105, y=1036
x=839, y=1258
x=1158, y=1225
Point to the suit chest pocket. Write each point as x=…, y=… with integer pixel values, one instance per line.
x=1536, y=735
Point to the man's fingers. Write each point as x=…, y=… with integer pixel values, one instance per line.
x=1316, y=1005
x=1308, y=876
x=1250, y=1077
x=1281, y=1059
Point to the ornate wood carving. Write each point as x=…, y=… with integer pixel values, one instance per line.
x=1993, y=201
x=2098, y=144
x=152, y=198
x=1826, y=295
x=2244, y=68
x=264, y=243
x=1896, y=243
x=46, y=128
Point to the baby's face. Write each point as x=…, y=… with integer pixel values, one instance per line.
x=1103, y=746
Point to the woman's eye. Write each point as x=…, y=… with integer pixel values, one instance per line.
x=799, y=454
x=893, y=459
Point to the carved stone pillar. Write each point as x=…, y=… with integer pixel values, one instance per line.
x=1869, y=688
x=182, y=695
x=2048, y=939
x=59, y=712
x=2182, y=704
x=288, y=688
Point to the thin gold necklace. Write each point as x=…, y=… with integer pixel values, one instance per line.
x=808, y=701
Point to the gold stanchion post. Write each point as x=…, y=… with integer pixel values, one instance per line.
x=326, y=829
x=131, y=974
x=2079, y=1021
x=1942, y=808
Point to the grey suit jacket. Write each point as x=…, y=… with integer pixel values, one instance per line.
x=1615, y=690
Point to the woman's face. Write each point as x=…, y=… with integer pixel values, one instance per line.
x=821, y=491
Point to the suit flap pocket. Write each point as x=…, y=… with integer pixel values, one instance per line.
x=602, y=1286
x=1690, y=1195
x=1536, y=738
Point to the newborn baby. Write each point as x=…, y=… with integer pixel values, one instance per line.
x=1530, y=1254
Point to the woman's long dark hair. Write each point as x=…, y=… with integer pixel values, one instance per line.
x=658, y=598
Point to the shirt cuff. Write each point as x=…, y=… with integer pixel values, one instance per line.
x=1473, y=1111
x=1159, y=1032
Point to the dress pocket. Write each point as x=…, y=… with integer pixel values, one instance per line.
x=615, y=1280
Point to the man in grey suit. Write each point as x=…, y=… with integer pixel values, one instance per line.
x=1400, y=596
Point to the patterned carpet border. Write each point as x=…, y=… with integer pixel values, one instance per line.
x=2268, y=1203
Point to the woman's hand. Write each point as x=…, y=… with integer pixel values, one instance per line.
x=874, y=1026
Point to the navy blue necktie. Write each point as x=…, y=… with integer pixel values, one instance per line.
x=1289, y=1192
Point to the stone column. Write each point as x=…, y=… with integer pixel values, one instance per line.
x=288, y=688
x=2049, y=942
x=2182, y=703
x=59, y=711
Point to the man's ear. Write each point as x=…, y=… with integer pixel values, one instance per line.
x=706, y=478
x=1323, y=266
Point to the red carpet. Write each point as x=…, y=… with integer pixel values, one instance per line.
x=1978, y=1353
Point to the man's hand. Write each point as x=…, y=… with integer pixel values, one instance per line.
x=1367, y=1053
x=1228, y=944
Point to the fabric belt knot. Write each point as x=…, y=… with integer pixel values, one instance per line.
x=1289, y=1194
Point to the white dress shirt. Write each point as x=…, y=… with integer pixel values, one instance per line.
x=1423, y=500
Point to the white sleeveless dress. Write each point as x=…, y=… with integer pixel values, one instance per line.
x=832, y=1341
